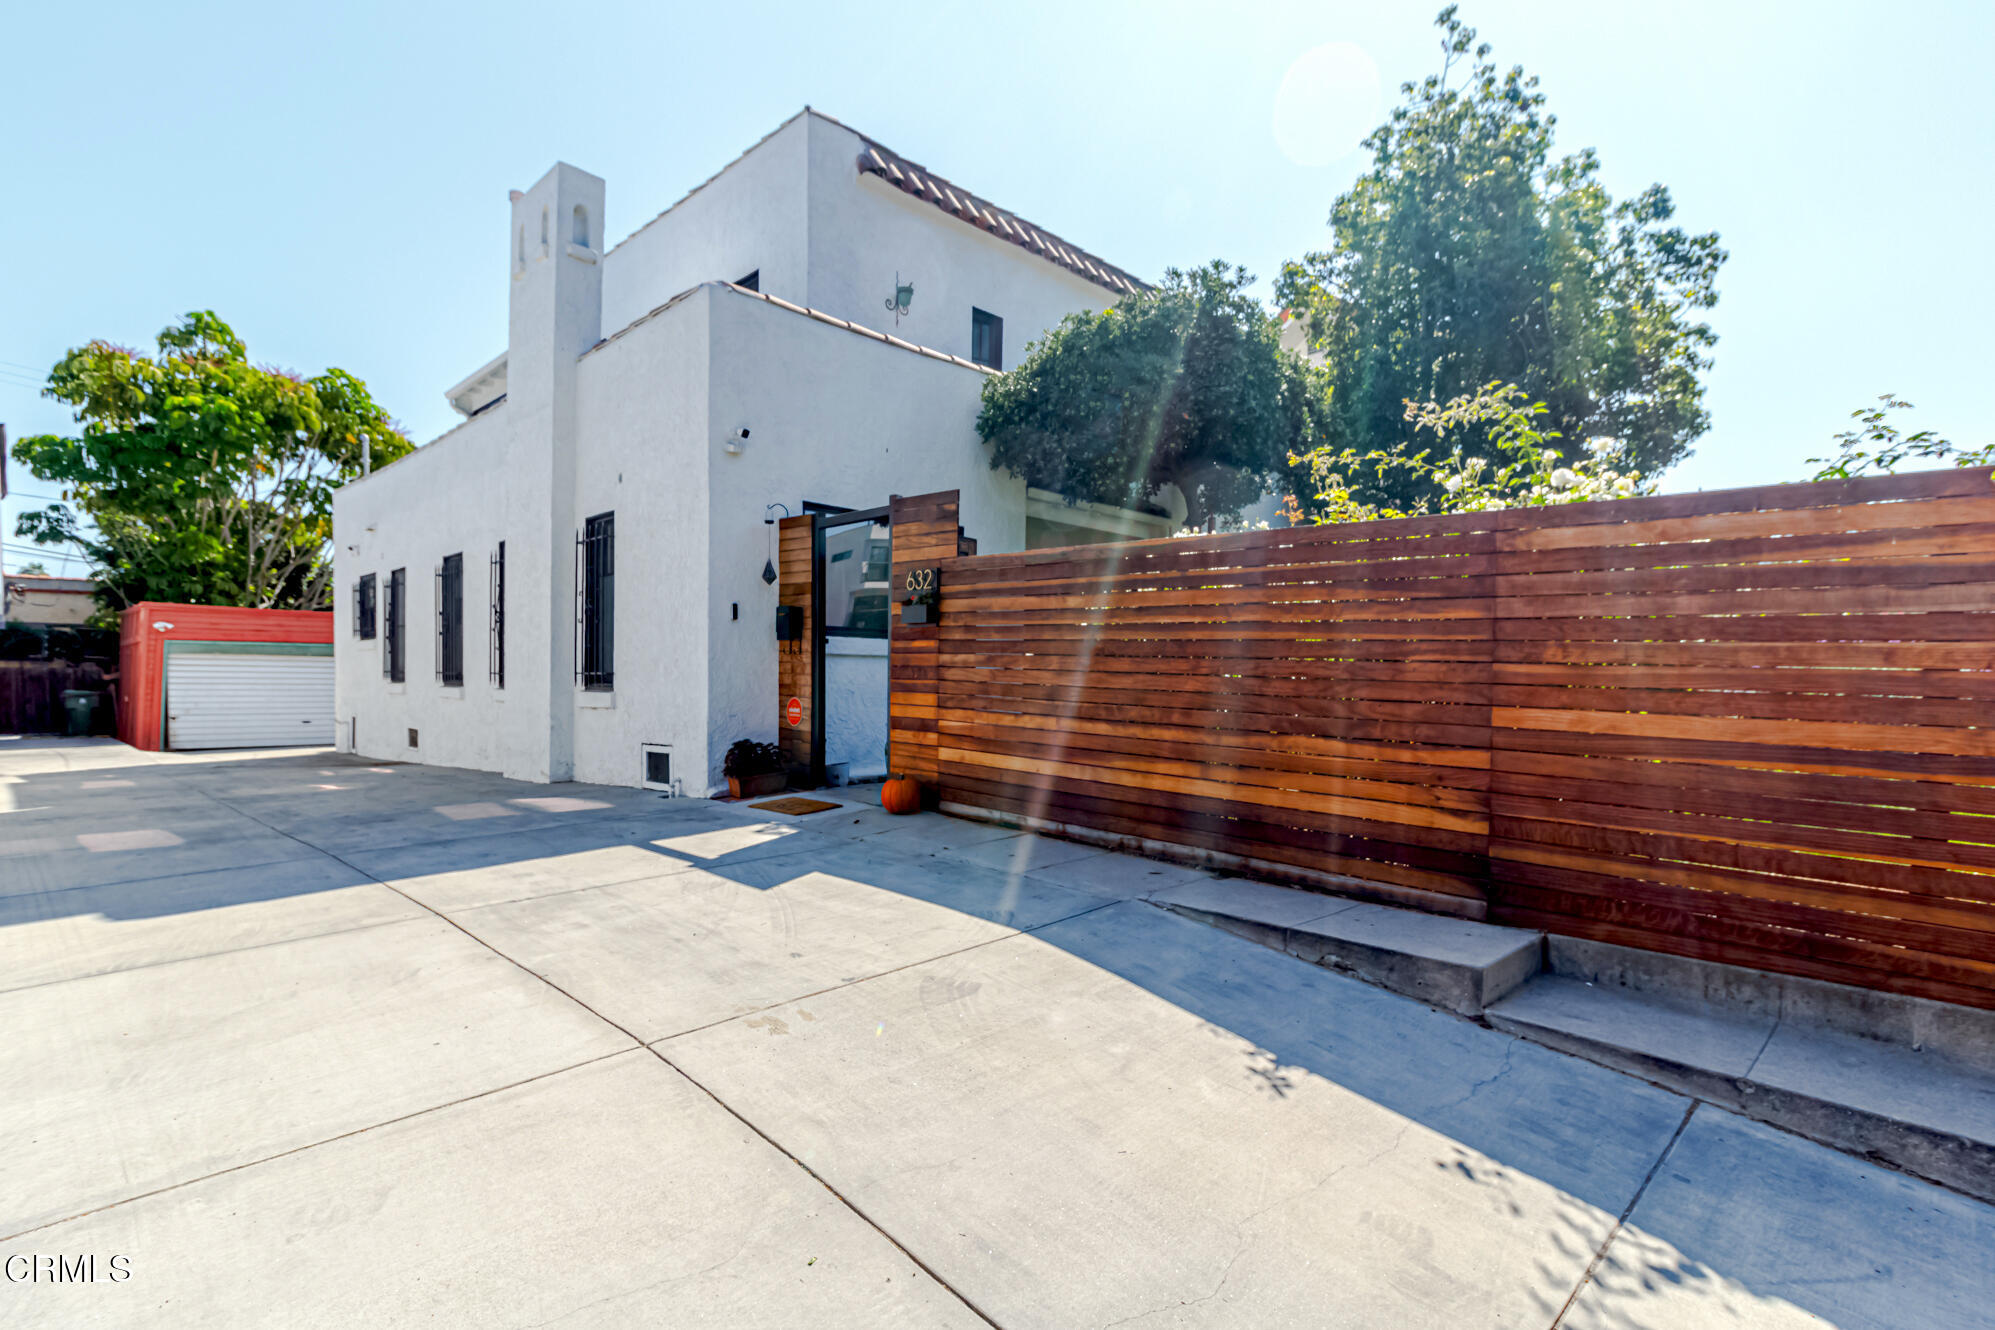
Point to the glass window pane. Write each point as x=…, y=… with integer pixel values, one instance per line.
x=858, y=562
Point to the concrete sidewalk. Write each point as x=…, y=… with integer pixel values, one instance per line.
x=313, y=1042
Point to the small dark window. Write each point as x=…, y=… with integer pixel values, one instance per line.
x=986, y=339
x=450, y=621
x=392, y=663
x=753, y=281
x=363, y=607
x=657, y=767
x=412, y=738
x=595, y=620
x=495, y=646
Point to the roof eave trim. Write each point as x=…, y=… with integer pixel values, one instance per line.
x=914, y=181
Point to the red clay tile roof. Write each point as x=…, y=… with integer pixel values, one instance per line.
x=909, y=178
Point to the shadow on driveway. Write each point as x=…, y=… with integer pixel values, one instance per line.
x=676, y=919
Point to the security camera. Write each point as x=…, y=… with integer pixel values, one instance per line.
x=742, y=434
x=736, y=439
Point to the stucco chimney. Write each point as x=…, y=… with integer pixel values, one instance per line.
x=556, y=314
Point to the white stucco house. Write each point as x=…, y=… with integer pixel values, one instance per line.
x=569, y=584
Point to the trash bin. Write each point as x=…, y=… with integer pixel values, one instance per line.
x=80, y=703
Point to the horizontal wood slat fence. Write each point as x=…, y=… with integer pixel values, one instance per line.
x=1750, y=726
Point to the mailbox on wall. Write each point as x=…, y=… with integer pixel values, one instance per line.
x=789, y=623
x=919, y=593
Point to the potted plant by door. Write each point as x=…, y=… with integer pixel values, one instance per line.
x=753, y=768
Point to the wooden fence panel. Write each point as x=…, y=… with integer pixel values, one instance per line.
x=926, y=535
x=1753, y=727
x=1750, y=726
x=1314, y=700
x=31, y=695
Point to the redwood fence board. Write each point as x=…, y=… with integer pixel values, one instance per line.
x=1790, y=769
x=1315, y=698
x=794, y=557
x=1750, y=726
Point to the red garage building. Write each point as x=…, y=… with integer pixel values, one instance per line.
x=213, y=676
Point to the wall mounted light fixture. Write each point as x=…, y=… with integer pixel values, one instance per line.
x=903, y=297
x=769, y=564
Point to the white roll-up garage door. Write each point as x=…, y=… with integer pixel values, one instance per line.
x=248, y=701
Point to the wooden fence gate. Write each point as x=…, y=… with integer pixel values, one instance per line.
x=925, y=531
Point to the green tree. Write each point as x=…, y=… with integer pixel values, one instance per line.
x=35, y=568
x=1501, y=453
x=1468, y=255
x=197, y=476
x=1875, y=446
x=1182, y=385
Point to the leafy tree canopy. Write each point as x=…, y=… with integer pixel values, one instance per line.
x=1182, y=385
x=1874, y=445
x=197, y=476
x=33, y=569
x=1467, y=255
x=1501, y=453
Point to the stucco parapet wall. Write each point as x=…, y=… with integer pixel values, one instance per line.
x=736, y=160
x=871, y=334
x=484, y=417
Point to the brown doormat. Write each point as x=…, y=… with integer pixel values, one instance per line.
x=795, y=807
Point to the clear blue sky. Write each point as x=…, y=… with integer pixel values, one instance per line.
x=333, y=180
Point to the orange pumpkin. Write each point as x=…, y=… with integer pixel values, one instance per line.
x=902, y=794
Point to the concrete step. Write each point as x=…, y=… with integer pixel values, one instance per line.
x=1922, y=1110
x=1455, y=964
x=1905, y=1081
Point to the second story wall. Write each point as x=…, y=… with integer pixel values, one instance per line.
x=863, y=232
x=748, y=218
x=796, y=211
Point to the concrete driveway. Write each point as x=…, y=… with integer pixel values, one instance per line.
x=291, y=1039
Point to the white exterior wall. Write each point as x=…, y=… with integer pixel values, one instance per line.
x=638, y=426
x=752, y=216
x=833, y=417
x=863, y=231
x=462, y=494
x=642, y=454
x=855, y=705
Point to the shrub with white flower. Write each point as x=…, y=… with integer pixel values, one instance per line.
x=1531, y=471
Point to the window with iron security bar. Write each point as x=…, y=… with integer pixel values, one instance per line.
x=450, y=621
x=595, y=603
x=392, y=663
x=363, y=607
x=495, y=633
